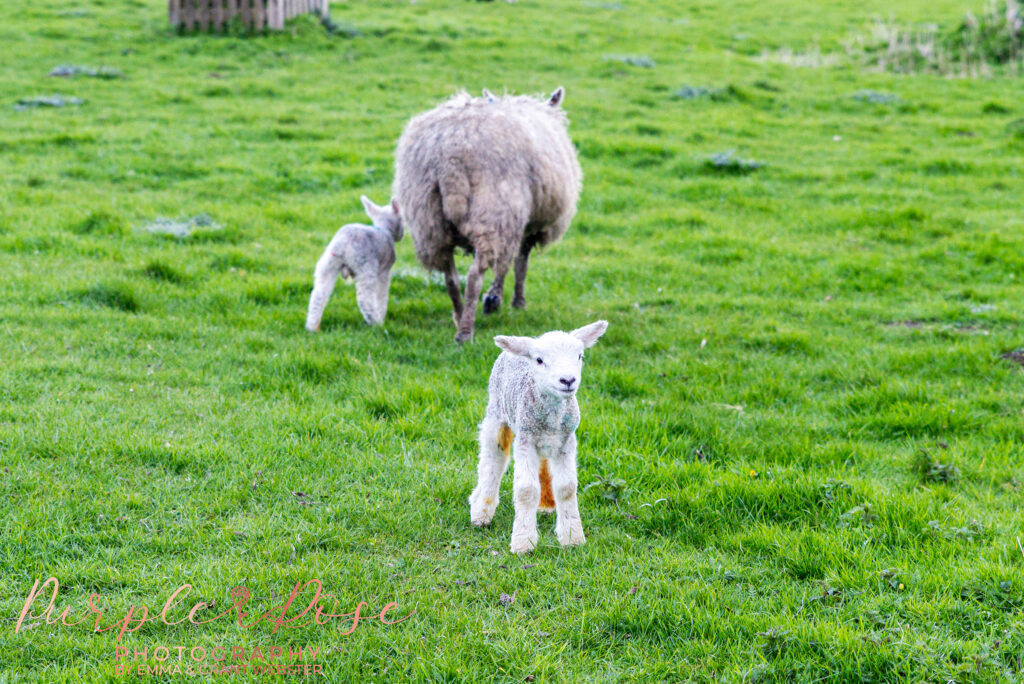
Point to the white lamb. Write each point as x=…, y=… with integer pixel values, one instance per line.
x=365, y=253
x=533, y=402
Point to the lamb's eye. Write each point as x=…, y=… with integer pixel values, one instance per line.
x=540, y=361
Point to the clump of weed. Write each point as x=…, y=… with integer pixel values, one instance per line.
x=931, y=470
x=110, y=295
x=729, y=163
x=98, y=223
x=182, y=228
x=974, y=528
x=726, y=94
x=158, y=270
x=642, y=61
x=688, y=92
x=609, y=486
x=992, y=38
x=874, y=97
x=994, y=107
x=47, y=101
x=832, y=490
x=70, y=70
x=774, y=641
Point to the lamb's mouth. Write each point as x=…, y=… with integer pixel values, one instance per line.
x=567, y=392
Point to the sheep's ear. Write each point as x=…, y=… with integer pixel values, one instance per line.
x=557, y=96
x=489, y=95
x=589, y=334
x=394, y=205
x=520, y=346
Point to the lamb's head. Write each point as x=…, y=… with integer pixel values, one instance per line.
x=386, y=218
x=556, y=358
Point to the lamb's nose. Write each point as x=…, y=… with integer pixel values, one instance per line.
x=568, y=382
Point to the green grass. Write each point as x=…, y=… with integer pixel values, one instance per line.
x=855, y=519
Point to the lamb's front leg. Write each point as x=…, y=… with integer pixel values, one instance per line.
x=526, y=493
x=568, y=527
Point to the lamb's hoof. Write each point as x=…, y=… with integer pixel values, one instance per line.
x=313, y=328
x=573, y=537
x=519, y=303
x=523, y=545
x=463, y=336
x=481, y=514
x=491, y=304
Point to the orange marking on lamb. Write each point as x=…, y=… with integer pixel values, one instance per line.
x=505, y=437
x=547, y=497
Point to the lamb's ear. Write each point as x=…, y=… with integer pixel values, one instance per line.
x=589, y=334
x=371, y=209
x=489, y=95
x=557, y=96
x=394, y=206
x=520, y=346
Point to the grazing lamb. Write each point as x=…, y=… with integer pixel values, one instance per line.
x=533, y=402
x=496, y=176
x=365, y=253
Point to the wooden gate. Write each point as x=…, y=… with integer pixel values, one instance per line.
x=214, y=15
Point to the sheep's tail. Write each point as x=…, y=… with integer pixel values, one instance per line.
x=547, y=496
x=454, y=187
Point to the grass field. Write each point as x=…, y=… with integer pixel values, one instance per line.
x=802, y=449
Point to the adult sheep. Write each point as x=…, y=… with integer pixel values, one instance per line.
x=496, y=176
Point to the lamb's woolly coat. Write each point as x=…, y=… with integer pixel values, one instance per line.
x=363, y=253
x=532, y=413
x=515, y=400
x=493, y=175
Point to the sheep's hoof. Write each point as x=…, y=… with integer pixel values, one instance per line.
x=519, y=303
x=463, y=336
x=491, y=304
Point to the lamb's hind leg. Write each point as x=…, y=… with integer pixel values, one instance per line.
x=367, y=288
x=492, y=302
x=526, y=492
x=495, y=442
x=328, y=268
x=474, y=279
x=568, y=527
x=383, y=289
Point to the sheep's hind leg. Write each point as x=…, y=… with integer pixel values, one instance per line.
x=492, y=302
x=522, y=261
x=495, y=442
x=473, y=282
x=451, y=283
